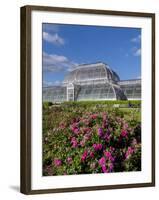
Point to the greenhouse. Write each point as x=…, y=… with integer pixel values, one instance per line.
x=95, y=81
x=131, y=88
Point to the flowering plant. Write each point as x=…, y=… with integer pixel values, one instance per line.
x=81, y=141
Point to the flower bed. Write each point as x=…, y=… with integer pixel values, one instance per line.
x=77, y=140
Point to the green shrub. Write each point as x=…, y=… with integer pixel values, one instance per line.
x=78, y=137
x=46, y=105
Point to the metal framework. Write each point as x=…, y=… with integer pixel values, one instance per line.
x=95, y=81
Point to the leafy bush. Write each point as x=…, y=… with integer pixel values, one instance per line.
x=46, y=105
x=81, y=139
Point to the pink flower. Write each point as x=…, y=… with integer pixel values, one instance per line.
x=129, y=152
x=104, y=169
x=82, y=143
x=101, y=161
x=125, y=126
x=92, y=154
x=108, y=155
x=69, y=160
x=94, y=116
x=62, y=125
x=86, y=130
x=87, y=136
x=84, y=155
x=104, y=116
x=100, y=132
x=75, y=130
x=134, y=142
x=86, y=122
x=124, y=133
x=74, y=142
x=107, y=137
x=97, y=147
x=57, y=162
x=111, y=149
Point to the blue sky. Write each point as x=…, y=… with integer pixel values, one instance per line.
x=67, y=46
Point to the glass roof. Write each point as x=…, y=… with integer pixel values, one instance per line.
x=94, y=71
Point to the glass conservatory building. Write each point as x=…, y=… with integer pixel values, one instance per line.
x=95, y=81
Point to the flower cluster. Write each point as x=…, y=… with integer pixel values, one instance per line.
x=92, y=142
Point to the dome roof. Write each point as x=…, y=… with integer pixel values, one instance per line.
x=96, y=71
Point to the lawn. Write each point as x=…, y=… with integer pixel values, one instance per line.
x=91, y=137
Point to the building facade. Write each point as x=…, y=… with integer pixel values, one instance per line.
x=95, y=81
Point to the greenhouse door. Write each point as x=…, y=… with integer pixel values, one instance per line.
x=70, y=92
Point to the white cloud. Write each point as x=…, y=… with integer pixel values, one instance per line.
x=51, y=28
x=53, y=38
x=49, y=83
x=136, y=39
x=57, y=82
x=57, y=63
x=137, y=52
